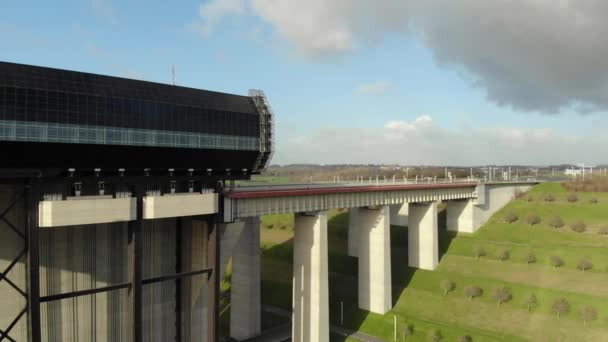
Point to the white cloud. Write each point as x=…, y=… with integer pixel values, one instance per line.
x=212, y=12
x=422, y=141
x=532, y=55
x=374, y=88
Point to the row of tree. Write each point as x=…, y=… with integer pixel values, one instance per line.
x=571, y=198
x=434, y=335
x=502, y=295
x=554, y=221
x=504, y=254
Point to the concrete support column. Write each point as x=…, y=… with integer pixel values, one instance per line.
x=310, y=320
x=231, y=233
x=423, y=244
x=245, y=298
x=460, y=216
x=195, y=303
x=375, y=260
x=399, y=214
x=353, y=230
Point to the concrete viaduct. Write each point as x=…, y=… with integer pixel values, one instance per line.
x=372, y=209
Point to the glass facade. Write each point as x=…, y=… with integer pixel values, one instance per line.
x=97, y=135
x=49, y=105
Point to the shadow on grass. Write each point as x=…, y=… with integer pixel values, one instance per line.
x=343, y=270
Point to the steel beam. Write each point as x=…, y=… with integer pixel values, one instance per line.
x=213, y=284
x=135, y=251
x=178, y=281
x=32, y=197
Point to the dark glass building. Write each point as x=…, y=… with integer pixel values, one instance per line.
x=59, y=119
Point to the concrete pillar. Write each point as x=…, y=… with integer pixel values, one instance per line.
x=353, y=229
x=310, y=320
x=375, y=260
x=460, y=215
x=245, y=297
x=194, y=301
x=399, y=214
x=231, y=233
x=423, y=248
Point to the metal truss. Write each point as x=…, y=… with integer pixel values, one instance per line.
x=5, y=331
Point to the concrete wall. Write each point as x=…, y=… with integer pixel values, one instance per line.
x=496, y=197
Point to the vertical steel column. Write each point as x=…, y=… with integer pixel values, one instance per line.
x=178, y=281
x=213, y=285
x=32, y=197
x=135, y=250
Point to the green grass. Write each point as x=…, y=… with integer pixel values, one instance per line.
x=419, y=300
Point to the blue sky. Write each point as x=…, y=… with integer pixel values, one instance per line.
x=352, y=99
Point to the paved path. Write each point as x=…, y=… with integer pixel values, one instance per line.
x=283, y=332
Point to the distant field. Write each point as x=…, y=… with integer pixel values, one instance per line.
x=420, y=302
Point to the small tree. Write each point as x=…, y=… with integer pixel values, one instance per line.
x=561, y=306
x=594, y=200
x=463, y=338
x=407, y=330
x=472, y=291
x=533, y=220
x=584, y=264
x=479, y=252
x=447, y=286
x=502, y=254
x=502, y=295
x=531, y=302
x=270, y=226
x=587, y=314
x=572, y=197
x=549, y=198
x=511, y=217
x=434, y=335
x=530, y=258
x=603, y=230
x=556, y=222
x=578, y=226
x=556, y=261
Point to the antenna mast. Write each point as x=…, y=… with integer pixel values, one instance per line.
x=173, y=73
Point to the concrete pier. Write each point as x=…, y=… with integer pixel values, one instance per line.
x=460, y=215
x=245, y=297
x=375, y=260
x=353, y=231
x=231, y=234
x=399, y=214
x=423, y=244
x=310, y=321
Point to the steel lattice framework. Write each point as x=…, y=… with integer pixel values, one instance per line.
x=4, y=276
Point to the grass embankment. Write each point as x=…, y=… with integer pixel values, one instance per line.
x=420, y=302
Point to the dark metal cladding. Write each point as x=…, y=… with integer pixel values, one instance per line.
x=67, y=119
